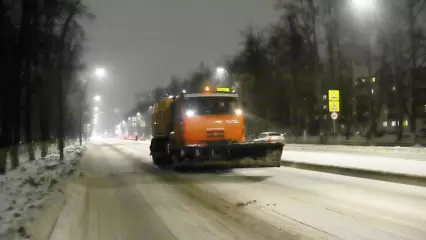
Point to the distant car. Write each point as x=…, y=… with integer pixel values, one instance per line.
x=271, y=137
x=129, y=138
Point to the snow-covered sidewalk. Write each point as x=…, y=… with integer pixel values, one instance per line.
x=373, y=162
x=27, y=187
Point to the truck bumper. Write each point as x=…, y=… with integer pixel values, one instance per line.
x=235, y=155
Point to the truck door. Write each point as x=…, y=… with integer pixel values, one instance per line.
x=177, y=119
x=171, y=127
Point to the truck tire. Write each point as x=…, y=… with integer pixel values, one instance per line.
x=159, y=161
x=158, y=152
x=175, y=161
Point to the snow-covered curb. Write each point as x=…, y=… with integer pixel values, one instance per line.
x=23, y=190
x=421, y=151
x=378, y=163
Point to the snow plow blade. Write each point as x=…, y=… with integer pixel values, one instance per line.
x=235, y=155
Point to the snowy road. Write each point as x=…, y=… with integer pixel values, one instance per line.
x=123, y=196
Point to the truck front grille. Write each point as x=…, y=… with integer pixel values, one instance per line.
x=215, y=133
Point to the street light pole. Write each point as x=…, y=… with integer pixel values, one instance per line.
x=82, y=110
x=221, y=71
x=368, y=9
x=99, y=73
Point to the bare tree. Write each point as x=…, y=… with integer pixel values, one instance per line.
x=40, y=41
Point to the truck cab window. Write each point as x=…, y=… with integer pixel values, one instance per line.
x=211, y=106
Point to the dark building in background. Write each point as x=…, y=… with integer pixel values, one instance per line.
x=380, y=96
x=365, y=99
x=376, y=98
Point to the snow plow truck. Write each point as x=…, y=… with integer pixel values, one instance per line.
x=206, y=129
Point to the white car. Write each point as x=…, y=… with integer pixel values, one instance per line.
x=271, y=137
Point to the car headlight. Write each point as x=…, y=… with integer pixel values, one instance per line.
x=190, y=113
x=238, y=111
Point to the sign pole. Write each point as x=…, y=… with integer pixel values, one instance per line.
x=334, y=127
x=334, y=106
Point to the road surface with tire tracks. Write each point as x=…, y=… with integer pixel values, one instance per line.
x=124, y=196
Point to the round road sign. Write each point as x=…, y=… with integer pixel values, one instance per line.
x=334, y=116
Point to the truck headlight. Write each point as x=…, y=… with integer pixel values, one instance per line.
x=238, y=111
x=190, y=113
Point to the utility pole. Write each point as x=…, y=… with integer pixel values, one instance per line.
x=412, y=84
x=354, y=97
x=296, y=50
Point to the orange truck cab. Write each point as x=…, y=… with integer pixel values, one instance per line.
x=206, y=129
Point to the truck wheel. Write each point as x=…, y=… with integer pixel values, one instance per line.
x=158, y=151
x=168, y=153
x=159, y=161
x=175, y=163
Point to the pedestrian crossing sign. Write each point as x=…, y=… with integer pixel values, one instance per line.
x=333, y=95
x=334, y=106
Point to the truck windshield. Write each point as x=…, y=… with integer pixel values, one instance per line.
x=211, y=105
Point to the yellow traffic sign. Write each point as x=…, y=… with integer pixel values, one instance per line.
x=333, y=95
x=334, y=106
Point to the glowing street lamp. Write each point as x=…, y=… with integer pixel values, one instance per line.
x=220, y=70
x=364, y=5
x=97, y=98
x=100, y=72
x=365, y=10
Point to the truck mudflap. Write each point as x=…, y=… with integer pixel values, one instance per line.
x=235, y=155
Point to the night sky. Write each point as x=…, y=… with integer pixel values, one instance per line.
x=142, y=43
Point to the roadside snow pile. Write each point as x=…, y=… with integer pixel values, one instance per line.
x=25, y=188
x=380, y=163
x=362, y=149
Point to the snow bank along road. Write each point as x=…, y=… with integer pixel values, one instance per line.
x=25, y=191
x=393, y=164
x=123, y=196
x=415, y=153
